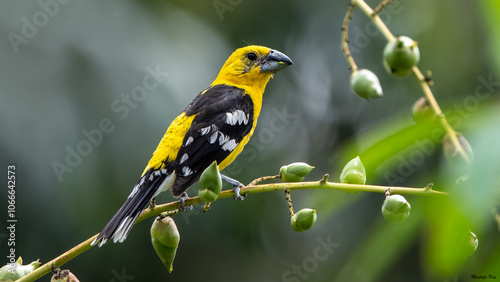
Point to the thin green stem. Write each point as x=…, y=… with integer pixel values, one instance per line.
x=264, y=178
x=169, y=213
x=324, y=179
x=250, y=189
x=288, y=198
x=206, y=206
x=381, y=6
x=58, y=261
x=437, y=110
x=345, y=40
x=375, y=18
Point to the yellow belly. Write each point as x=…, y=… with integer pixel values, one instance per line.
x=230, y=158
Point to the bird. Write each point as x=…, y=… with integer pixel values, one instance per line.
x=215, y=126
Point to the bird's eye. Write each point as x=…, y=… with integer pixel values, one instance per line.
x=252, y=56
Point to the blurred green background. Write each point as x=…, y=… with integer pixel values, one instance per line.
x=67, y=67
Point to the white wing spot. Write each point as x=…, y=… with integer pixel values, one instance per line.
x=237, y=117
x=204, y=130
x=229, y=146
x=187, y=171
x=164, y=171
x=223, y=139
x=240, y=116
x=230, y=119
x=213, y=138
x=184, y=158
x=157, y=173
x=189, y=141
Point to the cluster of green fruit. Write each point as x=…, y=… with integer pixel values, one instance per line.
x=395, y=208
x=165, y=237
x=400, y=55
x=305, y=218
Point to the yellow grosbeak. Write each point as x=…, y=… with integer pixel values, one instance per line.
x=215, y=126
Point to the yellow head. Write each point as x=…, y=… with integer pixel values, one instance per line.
x=252, y=66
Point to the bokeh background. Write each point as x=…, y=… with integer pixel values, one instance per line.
x=69, y=67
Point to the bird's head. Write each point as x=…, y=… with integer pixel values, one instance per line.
x=252, y=66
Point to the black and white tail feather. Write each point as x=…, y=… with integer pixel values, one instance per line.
x=149, y=186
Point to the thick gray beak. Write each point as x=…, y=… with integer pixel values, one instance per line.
x=275, y=61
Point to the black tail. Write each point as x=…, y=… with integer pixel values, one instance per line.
x=122, y=222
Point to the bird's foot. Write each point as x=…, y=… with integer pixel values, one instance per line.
x=182, y=201
x=236, y=187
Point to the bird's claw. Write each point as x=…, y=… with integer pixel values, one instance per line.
x=237, y=195
x=236, y=187
x=182, y=201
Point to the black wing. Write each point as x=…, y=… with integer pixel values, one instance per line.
x=223, y=116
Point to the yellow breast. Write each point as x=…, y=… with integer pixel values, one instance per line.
x=170, y=143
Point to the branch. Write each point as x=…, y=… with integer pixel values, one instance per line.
x=381, y=6
x=424, y=84
x=250, y=189
x=375, y=18
x=345, y=40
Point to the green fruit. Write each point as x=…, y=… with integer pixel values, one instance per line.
x=165, y=239
x=165, y=231
x=207, y=196
x=451, y=152
x=303, y=220
x=166, y=254
x=295, y=172
x=10, y=272
x=353, y=172
x=400, y=55
x=422, y=112
x=470, y=246
x=396, y=209
x=366, y=84
x=14, y=271
x=210, y=184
